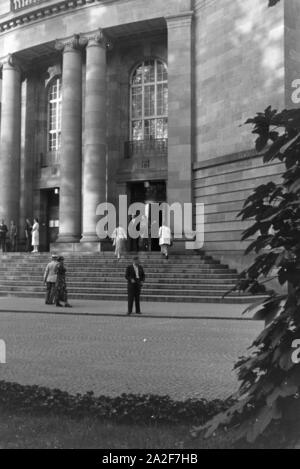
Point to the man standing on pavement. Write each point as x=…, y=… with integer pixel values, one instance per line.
x=50, y=277
x=135, y=277
x=3, y=232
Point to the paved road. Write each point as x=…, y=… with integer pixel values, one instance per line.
x=113, y=355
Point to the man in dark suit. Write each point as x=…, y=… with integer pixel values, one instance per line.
x=3, y=232
x=135, y=277
x=28, y=233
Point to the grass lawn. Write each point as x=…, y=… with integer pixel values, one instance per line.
x=21, y=430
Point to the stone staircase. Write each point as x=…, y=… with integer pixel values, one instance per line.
x=99, y=276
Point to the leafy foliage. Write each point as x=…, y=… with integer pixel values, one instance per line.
x=127, y=408
x=270, y=380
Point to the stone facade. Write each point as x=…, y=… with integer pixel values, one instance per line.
x=226, y=61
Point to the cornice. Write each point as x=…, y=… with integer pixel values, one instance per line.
x=37, y=12
x=181, y=19
x=40, y=11
x=202, y=4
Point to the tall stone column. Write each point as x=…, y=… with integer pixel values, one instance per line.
x=10, y=133
x=71, y=128
x=94, y=160
x=180, y=111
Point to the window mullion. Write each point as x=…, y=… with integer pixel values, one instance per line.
x=56, y=117
x=130, y=112
x=155, y=99
x=143, y=100
x=147, y=98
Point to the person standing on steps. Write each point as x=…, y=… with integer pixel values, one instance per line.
x=35, y=235
x=135, y=241
x=144, y=232
x=119, y=237
x=28, y=230
x=13, y=236
x=61, y=293
x=50, y=277
x=135, y=277
x=3, y=233
x=164, y=235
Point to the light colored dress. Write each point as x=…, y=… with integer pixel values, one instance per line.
x=119, y=236
x=164, y=234
x=35, y=240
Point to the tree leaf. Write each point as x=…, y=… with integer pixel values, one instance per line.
x=262, y=421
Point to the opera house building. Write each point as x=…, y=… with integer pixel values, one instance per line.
x=144, y=98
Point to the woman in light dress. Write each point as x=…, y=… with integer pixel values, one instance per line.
x=35, y=240
x=119, y=237
x=164, y=235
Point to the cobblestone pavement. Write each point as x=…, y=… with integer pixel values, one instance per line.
x=104, y=308
x=112, y=355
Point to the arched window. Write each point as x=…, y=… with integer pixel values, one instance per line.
x=149, y=101
x=54, y=114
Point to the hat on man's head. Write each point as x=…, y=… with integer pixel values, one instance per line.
x=54, y=256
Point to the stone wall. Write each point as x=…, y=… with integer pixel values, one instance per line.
x=239, y=71
x=241, y=55
x=292, y=50
x=222, y=186
x=4, y=7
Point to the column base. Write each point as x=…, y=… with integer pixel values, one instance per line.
x=91, y=242
x=68, y=238
x=185, y=245
x=89, y=238
x=75, y=247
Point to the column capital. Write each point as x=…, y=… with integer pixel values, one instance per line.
x=51, y=72
x=181, y=19
x=10, y=62
x=70, y=44
x=97, y=38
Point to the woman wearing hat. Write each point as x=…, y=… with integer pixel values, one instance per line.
x=61, y=293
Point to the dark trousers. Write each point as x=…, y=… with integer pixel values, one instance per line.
x=13, y=244
x=135, y=243
x=134, y=292
x=50, y=293
x=28, y=244
x=3, y=243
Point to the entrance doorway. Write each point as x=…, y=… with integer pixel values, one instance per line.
x=50, y=216
x=148, y=193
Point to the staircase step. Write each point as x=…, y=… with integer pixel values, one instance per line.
x=187, y=277
x=154, y=279
x=153, y=298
